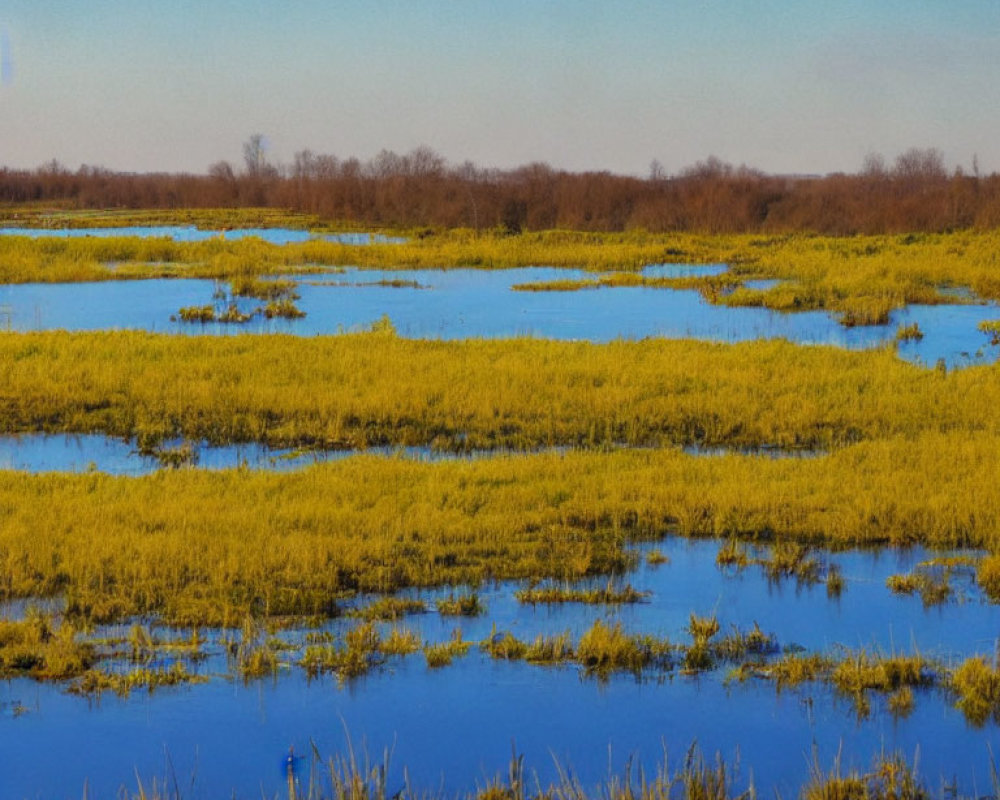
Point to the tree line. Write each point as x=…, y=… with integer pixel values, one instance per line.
x=915, y=192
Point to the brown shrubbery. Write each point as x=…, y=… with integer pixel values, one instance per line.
x=420, y=188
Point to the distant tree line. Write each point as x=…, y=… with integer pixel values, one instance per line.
x=420, y=188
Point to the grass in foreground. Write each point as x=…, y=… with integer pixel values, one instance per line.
x=696, y=777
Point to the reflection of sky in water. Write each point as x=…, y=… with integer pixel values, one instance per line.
x=40, y=452
x=465, y=303
x=189, y=233
x=477, y=707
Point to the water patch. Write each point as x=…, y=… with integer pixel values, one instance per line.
x=468, y=303
x=39, y=452
x=74, y=452
x=189, y=233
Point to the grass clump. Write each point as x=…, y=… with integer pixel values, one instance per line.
x=390, y=608
x=202, y=314
x=463, y=605
x=504, y=646
x=263, y=289
x=858, y=674
x=37, y=648
x=991, y=327
x=283, y=308
x=908, y=333
x=550, y=649
x=931, y=579
x=977, y=685
x=604, y=649
x=544, y=649
x=400, y=642
x=890, y=778
x=360, y=651
x=442, y=654
x=655, y=558
x=608, y=595
x=253, y=655
x=793, y=669
x=94, y=682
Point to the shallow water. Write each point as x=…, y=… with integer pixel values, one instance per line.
x=465, y=303
x=189, y=233
x=75, y=452
x=453, y=727
x=70, y=452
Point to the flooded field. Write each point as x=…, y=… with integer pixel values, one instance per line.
x=730, y=557
x=468, y=303
x=478, y=706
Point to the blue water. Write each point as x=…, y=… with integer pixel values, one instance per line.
x=72, y=452
x=453, y=727
x=466, y=303
x=189, y=233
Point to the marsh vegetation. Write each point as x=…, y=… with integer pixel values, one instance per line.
x=558, y=548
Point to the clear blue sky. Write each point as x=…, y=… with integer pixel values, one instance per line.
x=783, y=85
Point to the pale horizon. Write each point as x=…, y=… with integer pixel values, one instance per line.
x=784, y=87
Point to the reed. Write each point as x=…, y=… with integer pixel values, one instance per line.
x=461, y=605
x=793, y=669
x=376, y=389
x=604, y=649
x=988, y=576
x=991, y=328
x=442, y=654
x=607, y=595
x=95, y=681
x=908, y=333
x=37, y=648
x=200, y=314
x=202, y=547
x=977, y=686
x=390, y=608
x=890, y=778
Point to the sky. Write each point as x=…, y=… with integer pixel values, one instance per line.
x=786, y=86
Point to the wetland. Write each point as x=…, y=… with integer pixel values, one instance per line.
x=491, y=491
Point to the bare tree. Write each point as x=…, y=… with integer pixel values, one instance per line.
x=920, y=163
x=255, y=155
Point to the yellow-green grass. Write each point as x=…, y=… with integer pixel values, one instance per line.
x=377, y=389
x=199, y=547
x=860, y=277
x=55, y=215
